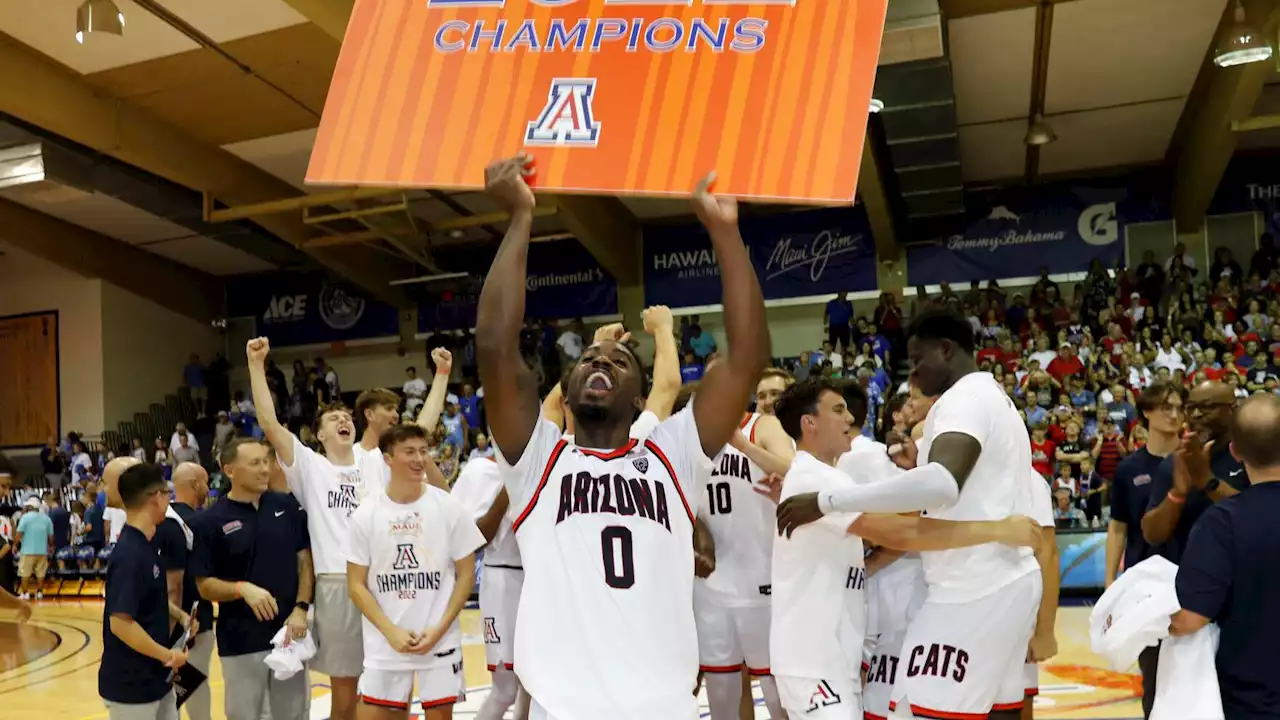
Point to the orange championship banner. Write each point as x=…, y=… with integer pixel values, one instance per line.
x=629, y=97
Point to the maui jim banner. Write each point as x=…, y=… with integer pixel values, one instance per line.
x=795, y=255
x=564, y=281
x=609, y=96
x=294, y=309
x=1064, y=229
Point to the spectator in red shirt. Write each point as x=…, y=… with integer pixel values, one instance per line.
x=1042, y=451
x=1114, y=341
x=1109, y=448
x=1066, y=364
x=989, y=352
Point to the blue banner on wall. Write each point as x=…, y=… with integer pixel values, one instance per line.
x=1064, y=228
x=298, y=309
x=1251, y=185
x=795, y=255
x=564, y=281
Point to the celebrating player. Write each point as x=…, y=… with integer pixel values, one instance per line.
x=605, y=525
x=410, y=570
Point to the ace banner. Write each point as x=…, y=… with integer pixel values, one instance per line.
x=609, y=96
x=794, y=254
x=300, y=309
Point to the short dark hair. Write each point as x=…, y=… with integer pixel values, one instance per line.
x=139, y=482
x=942, y=323
x=411, y=369
x=231, y=451
x=1155, y=395
x=802, y=399
x=338, y=406
x=855, y=397
x=1253, y=431
x=397, y=434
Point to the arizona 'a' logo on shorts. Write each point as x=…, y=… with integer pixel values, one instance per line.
x=491, y=632
x=823, y=696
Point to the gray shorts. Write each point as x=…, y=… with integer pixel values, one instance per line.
x=166, y=708
x=339, y=639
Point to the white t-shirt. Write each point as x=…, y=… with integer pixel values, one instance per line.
x=606, y=540
x=329, y=493
x=742, y=523
x=1044, y=356
x=640, y=429
x=117, y=519
x=477, y=488
x=410, y=550
x=1169, y=359
x=1036, y=502
x=571, y=344
x=373, y=466
x=977, y=406
x=415, y=390
x=819, y=617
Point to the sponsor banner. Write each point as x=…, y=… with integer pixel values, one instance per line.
x=794, y=255
x=564, y=281
x=295, y=309
x=1250, y=185
x=1063, y=228
x=610, y=96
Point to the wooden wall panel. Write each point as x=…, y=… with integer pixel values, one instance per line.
x=29, y=402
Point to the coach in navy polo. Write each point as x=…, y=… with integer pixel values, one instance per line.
x=252, y=556
x=133, y=678
x=1230, y=571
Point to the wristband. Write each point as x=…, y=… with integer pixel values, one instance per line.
x=1176, y=497
x=824, y=503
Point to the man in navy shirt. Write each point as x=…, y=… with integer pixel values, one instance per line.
x=836, y=317
x=175, y=540
x=1198, y=475
x=1161, y=411
x=252, y=557
x=1230, y=570
x=134, y=675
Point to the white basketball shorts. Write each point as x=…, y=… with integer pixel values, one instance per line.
x=1031, y=681
x=729, y=637
x=812, y=699
x=969, y=658
x=438, y=686
x=883, y=670
x=499, y=600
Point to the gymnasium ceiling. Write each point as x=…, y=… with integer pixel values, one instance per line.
x=218, y=102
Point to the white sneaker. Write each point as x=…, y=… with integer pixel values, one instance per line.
x=39, y=594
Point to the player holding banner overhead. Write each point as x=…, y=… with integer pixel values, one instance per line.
x=605, y=524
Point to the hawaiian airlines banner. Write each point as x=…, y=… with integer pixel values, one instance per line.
x=299, y=309
x=609, y=96
x=1063, y=228
x=564, y=281
x=794, y=254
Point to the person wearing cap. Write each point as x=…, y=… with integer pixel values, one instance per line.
x=34, y=536
x=1066, y=364
x=223, y=431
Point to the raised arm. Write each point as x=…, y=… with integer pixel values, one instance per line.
x=429, y=415
x=772, y=451
x=666, y=361
x=278, y=435
x=726, y=388
x=511, y=389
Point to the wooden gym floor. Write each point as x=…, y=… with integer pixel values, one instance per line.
x=49, y=668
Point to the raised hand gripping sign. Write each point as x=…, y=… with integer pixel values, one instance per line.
x=611, y=96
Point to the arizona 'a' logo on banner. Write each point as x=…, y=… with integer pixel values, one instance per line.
x=610, y=96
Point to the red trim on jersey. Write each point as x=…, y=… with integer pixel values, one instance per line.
x=612, y=454
x=759, y=672
x=944, y=715
x=546, y=473
x=1032, y=692
x=873, y=716
x=437, y=703
x=675, y=480
x=745, y=419
x=506, y=666
x=1008, y=706
x=720, y=668
x=367, y=700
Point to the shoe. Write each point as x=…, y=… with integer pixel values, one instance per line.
x=40, y=595
x=24, y=596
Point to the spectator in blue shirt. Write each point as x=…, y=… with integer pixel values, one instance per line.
x=455, y=428
x=1081, y=396
x=472, y=406
x=879, y=345
x=702, y=342
x=836, y=318
x=1228, y=573
x=33, y=536
x=193, y=378
x=690, y=370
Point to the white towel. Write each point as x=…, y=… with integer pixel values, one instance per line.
x=172, y=514
x=1187, y=678
x=1133, y=614
x=288, y=656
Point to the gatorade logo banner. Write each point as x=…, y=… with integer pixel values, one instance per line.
x=611, y=96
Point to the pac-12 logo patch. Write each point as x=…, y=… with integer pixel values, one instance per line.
x=641, y=464
x=823, y=696
x=568, y=117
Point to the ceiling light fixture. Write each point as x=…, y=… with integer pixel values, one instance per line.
x=100, y=16
x=1040, y=133
x=1242, y=44
x=876, y=106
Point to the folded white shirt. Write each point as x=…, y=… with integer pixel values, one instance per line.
x=288, y=656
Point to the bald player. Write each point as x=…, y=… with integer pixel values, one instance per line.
x=175, y=540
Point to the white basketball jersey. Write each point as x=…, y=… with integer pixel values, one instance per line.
x=742, y=523
x=410, y=550
x=606, y=624
x=477, y=487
